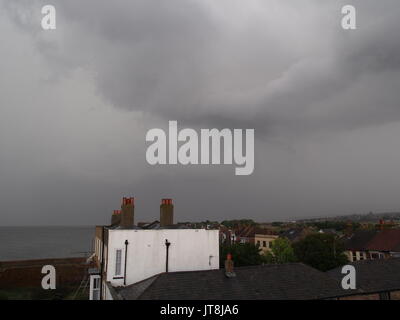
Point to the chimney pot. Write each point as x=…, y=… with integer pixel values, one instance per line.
x=229, y=267
x=127, y=200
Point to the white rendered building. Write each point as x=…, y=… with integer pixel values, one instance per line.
x=132, y=254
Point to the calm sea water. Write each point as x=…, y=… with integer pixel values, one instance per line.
x=19, y=243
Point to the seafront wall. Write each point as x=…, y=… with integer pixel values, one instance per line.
x=27, y=273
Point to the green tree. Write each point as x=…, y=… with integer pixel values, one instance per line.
x=320, y=251
x=243, y=254
x=281, y=252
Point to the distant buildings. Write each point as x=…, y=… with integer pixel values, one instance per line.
x=296, y=234
x=264, y=241
x=244, y=234
x=248, y=234
x=163, y=260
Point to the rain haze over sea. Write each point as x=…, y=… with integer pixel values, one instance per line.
x=21, y=243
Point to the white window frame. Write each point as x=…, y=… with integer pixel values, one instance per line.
x=116, y=274
x=379, y=254
x=353, y=255
x=94, y=292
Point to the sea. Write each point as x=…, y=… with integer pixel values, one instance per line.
x=26, y=243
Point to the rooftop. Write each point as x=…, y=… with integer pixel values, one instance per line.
x=385, y=240
x=292, y=234
x=373, y=276
x=294, y=281
x=359, y=240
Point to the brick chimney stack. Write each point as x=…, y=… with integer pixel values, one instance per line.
x=127, y=212
x=166, y=213
x=229, y=266
x=116, y=218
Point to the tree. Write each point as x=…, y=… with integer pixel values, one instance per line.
x=243, y=254
x=320, y=251
x=281, y=252
x=276, y=224
x=236, y=223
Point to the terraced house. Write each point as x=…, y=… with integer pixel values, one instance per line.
x=126, y=253
x=372, y=244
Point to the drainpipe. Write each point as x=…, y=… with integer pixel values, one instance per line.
x=126, y=258
x=167, y=244
x=102, y=263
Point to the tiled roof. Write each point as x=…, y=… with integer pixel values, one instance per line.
x=359, y=240
x=293, y=281
x=251, y=231
x=364, y=240
x=373, y=276
x=245, y=232
x=133, y=292
x=386, y=240
x=264, y=231
x=292, y=234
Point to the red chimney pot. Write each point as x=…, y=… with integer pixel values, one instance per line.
x=128, y=200
x=166, y=201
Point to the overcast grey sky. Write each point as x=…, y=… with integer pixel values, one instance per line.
x=76, y=103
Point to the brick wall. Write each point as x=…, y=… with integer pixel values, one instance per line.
x=27, y=273
x=395, y=295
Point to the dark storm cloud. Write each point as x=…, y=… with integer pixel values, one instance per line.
x=76, y=103
x=213, y=64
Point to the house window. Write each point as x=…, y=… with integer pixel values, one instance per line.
x=96, y=283
x=264, y=244
x=118, y=259
x=95, y=287
x=354, y=254
x=361, y=255
x=384, y=296
x=376, y=255
x=395, y=254
x=258, y=242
